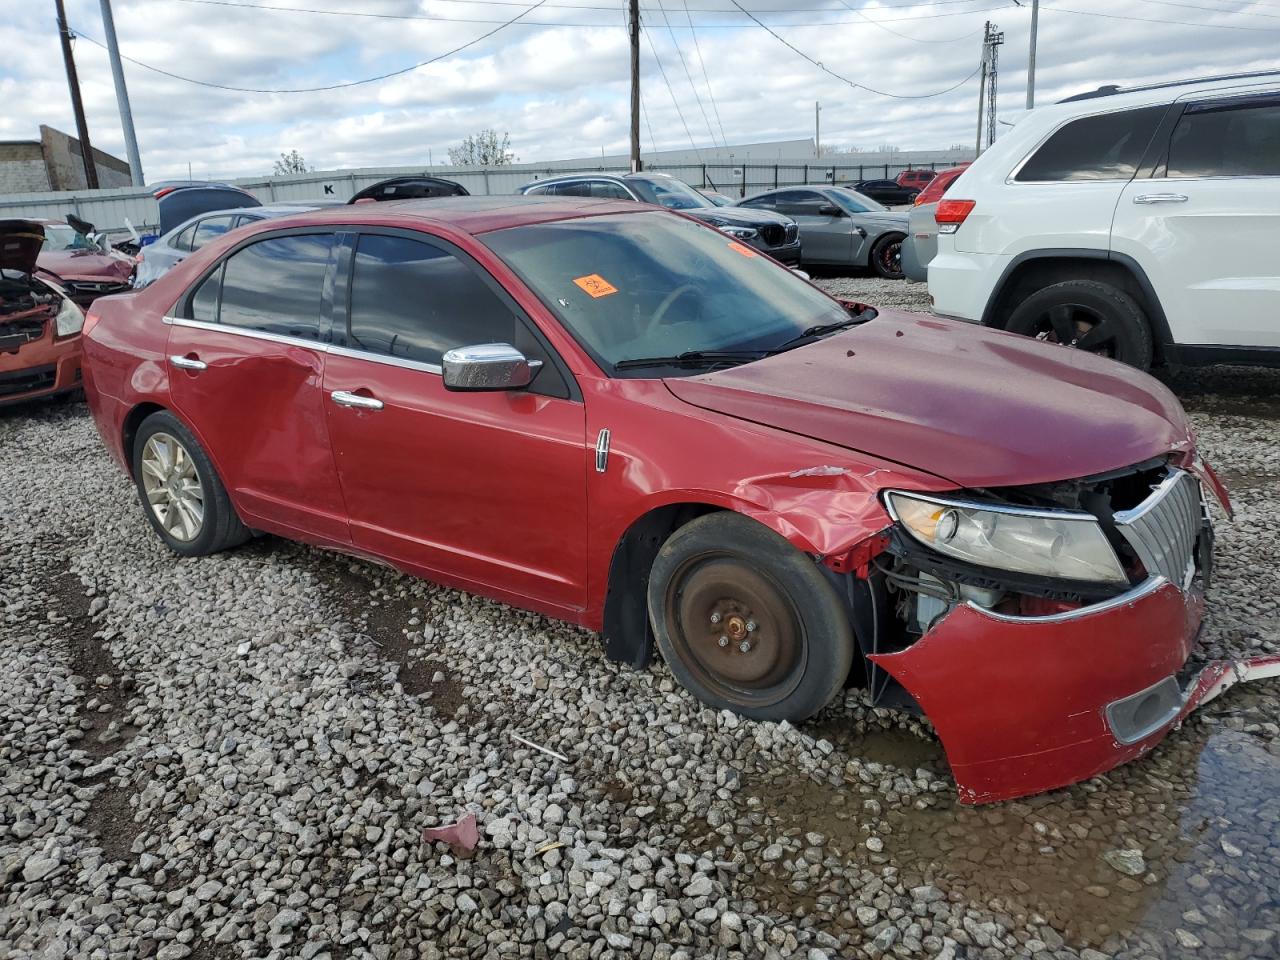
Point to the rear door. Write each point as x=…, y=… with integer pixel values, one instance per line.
x=823, y=238
x=1206, y=225
x=482, y=490
x=246, y=356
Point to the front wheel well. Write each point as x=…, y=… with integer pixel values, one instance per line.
x=628, y=636
x=1034, y=274
x=132, y=421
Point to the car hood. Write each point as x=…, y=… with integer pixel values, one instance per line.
x=86, y=264
x=738, y=217
x=974, y=406
x=20, y=242
x=890, y=218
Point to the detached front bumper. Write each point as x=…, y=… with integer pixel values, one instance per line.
x=1028, y=704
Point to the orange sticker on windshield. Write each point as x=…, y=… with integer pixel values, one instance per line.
x=595, y=285
x=742, y=249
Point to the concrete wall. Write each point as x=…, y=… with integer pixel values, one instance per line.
x=22, y=167
x=64, y=162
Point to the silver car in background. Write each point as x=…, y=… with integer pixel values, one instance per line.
x=839, y=227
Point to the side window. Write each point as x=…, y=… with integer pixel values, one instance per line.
x=415, y=301
x=540, y=190
x=579, y=188
x=183, y=240
x=244, y=219
x=204, y=302
x=608, y=190
x=1105, y=147
x=767, y=202
x=799, y=203
x=210, y=229
x=1227, y=140
x=277, y=285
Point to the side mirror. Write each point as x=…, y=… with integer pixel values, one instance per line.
x=488, y=366
x=830, y=210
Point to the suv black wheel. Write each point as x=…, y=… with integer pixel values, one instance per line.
x=181, y=493
x=747, y=622
x=886, y=256
x=1087, y=315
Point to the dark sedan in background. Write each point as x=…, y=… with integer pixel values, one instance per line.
x=838, y=227
x=766, y=231
x=889, y=192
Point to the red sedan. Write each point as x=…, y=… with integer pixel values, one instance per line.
x=623, y=418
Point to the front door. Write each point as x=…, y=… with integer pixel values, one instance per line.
x=1206, y=228
x=823, y=238
x=482, y=490
x=246, y=365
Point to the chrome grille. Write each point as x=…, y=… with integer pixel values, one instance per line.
x=1163, y=528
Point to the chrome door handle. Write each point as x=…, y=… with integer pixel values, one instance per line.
x=1160, y=198
x=187, y=363
x=345, y=399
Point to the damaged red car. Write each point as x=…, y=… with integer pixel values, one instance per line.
x=39, y=321
x=620, y=417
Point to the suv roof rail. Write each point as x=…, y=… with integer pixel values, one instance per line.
x=1112, y=89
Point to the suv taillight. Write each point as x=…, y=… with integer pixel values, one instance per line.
x=951, y=213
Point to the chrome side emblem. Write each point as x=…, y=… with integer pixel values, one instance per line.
x=602, y=451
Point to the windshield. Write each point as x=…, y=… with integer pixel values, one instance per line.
x=61, y=237
x=669, y=192
x=631, y=286
x=855, y=202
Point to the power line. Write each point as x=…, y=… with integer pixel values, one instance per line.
x=853, y=83
x=689, y=76
x=662, y=70
x=905, y=36
x=331, y=86
x=710, y=94
x=1165, y=23
x=1233, y=13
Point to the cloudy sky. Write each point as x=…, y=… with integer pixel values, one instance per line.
x=557, y=77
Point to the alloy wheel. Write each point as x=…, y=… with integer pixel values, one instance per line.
x=172, y=486
x=1078, y=326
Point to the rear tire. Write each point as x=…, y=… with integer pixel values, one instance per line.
x=886, y=256
x=1087, y=315
x=747, y=622
x=182, y=495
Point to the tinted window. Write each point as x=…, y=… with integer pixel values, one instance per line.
x=183, y=240
x=210, y=229
x=540, y=190
x=413, y=300
x=277, y=285
x=1233, y=141
x=766, y=202
x=799, y=203
x=608, y=191
x=1106, y=147
x=579, y=189
x=204, y=303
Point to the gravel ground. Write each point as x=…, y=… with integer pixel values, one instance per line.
x=235, y=757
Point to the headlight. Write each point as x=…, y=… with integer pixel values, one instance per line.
x=742, y=233
x=68, y=320
x=1050, y=543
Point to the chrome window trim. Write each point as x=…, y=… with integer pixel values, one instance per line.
x=1037, y=512
x=1140, y=592
x=337, y=351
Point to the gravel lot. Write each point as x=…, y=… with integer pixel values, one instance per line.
x=236, y=756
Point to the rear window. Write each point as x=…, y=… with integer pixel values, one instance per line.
x=1240, y=139
x=1105, y=147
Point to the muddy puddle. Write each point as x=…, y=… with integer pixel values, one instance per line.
x=1203, y=812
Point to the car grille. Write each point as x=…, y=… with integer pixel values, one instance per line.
x=25, y=381
x=792, y=232
x=1163, y=529
x=772, y=234
x=19, y=333
x=95, y=288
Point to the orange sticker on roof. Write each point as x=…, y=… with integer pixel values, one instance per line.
x=742, y=249
x=595, y=285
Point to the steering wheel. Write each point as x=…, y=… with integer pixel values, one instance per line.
x=666, y=303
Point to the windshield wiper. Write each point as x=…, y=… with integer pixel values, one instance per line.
x=693, y=358
x=817, y=331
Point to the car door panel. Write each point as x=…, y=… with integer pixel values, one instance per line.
x=824, y=239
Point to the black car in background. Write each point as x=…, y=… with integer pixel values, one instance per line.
x=889, y=192
x=768, y=232
x=410, y=188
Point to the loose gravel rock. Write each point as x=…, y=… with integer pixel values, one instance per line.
x=235, y=757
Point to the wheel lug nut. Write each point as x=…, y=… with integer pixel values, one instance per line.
x=724, y=641
x=744, y=646
x=715, y=618
x=751, y=626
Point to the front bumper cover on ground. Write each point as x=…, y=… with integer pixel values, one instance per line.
x=1028, y=704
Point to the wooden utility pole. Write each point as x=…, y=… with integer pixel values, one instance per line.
x=634, y=30
x=82, y=128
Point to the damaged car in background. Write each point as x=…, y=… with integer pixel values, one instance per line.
x=82, y=260
x=40, y=323
x=660, y=434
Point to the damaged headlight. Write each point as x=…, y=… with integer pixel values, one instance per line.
x=1049, y=543
x=69, y=319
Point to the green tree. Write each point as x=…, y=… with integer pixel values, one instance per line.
x=291, y=162
x=483, y=149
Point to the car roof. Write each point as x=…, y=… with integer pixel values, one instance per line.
x=473, y=215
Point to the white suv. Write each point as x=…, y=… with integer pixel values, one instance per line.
x=1143, y=224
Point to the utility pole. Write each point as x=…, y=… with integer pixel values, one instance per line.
x=122, y=94
x=634, y=30
x=982, y=89
x=817, y=129
x=1031, y=56
x=82, y=128
x=994, y=41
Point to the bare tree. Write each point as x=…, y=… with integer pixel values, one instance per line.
x=483, y=149
x=291, y=162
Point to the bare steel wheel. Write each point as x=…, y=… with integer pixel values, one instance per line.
x=172, y=486
x=181, y=492
x=747, y=622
